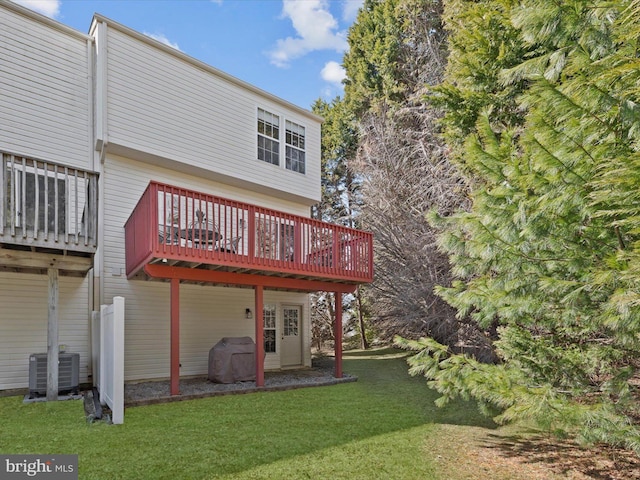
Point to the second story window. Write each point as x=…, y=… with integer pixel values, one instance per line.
x=268, y=137
x=295, y=150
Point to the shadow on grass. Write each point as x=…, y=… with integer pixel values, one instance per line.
x=384, y=372
x=565, y=456
x=241, y=433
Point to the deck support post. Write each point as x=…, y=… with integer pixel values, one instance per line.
x=259, y=307
x=175, y=337
x=52, y=336
x=337, y=335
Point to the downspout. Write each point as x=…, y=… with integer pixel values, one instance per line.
x=91, y=158
x=99, y=33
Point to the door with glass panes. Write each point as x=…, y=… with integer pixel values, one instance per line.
x=291, y=338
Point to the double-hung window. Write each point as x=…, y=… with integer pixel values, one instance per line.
x=270, y=142
x=268, y=137
x=294, y=147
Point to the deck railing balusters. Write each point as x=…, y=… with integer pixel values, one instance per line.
x=37, y=201
x=46, y=196
x=66, y=189
x=23, y=199
x=85, y=182
x=75, y=204
x=44, y=204
x=12, y=194
x=55, y=204
x=249, y=237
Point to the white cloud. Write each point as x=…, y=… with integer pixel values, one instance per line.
x=316, y=28
x=50, y=8
x=333, y=72
x=162, y=39
x=350, y=9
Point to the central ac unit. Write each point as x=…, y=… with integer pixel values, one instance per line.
x=68, y=373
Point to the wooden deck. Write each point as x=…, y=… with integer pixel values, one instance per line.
x=172, y=226
x=48, y=215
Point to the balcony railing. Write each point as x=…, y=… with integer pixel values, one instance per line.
x=47, y=205
x=174, y=225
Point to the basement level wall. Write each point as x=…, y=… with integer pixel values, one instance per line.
x=23, y=323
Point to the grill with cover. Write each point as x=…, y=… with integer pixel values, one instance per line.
x=233, y=359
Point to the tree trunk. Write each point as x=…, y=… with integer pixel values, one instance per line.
x=331, y=312
x=364, y=343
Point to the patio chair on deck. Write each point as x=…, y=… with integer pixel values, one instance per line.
x=202, y=233
x=230, y=246
x=169, y=234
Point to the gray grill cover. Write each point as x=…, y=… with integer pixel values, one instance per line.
x=233, y=359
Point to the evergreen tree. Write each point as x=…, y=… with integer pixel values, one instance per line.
x=549, y=250
x=389, y=44
x=340, y=189
x=483, y=43
x=372, y=59
x=340, y=203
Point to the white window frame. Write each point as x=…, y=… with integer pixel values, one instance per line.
x=291, y=141
x=295, y=142
x=270, y=323
x=267, y=135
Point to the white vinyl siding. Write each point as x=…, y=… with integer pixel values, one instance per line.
x=23, y=323
x=161, y=105
x=45, y=105
x=207, y=313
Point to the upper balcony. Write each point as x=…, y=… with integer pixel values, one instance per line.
x=49, y=209
x=179, y=227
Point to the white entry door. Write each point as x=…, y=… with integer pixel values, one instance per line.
x=291, y=340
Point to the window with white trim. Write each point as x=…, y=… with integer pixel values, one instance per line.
x=271, y=147
x=269, y=319
x=294, y=147
x=268, y=137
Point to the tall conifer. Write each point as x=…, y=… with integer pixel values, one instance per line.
x=548, y=128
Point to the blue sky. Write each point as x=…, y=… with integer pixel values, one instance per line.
x=291, y=48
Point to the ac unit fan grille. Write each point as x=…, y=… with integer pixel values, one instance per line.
x=68, y=373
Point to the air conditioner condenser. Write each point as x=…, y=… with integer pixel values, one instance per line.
x=68, y=373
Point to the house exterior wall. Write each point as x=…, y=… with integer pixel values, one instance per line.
x=46, y=99
x=206, y=313
x=23, y=323
x=83, y=102
x=45, y=113
x=164, y=107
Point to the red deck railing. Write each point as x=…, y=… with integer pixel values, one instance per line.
x=172, y=224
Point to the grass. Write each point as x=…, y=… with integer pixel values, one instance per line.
x=384, y=426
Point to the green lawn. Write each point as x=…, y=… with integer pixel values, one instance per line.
x=382, y=426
